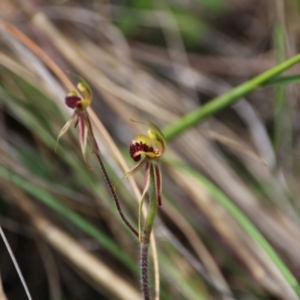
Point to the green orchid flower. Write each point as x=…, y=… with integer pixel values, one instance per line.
x=151, y=147
x=80, y=116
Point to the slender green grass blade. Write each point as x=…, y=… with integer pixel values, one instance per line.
x=242, y=219
x=283, y=80
x=282, y=134
x=225, y=100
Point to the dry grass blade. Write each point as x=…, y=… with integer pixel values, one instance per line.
x=51, y=269
x=28, y=295
x=233, y=144
x=2, y=294
x=215, y=274
x=88, y=70
x=38, y=51
x=257, y=262
x=212, y=162
x=79, y=256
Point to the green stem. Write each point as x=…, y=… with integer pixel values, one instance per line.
x=144, y=246
x=152, y=208
x=225, y=100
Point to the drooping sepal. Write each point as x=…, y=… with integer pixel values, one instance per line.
x=145, y=190
x=66, y=127
x=158, y=183
x=132, y=171
x=83, y=136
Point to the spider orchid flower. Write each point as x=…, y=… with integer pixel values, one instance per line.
x=151, y=147
x=80, y=116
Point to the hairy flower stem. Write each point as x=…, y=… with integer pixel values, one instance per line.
x=97, y=153
x=144, y=249
x=145, y=240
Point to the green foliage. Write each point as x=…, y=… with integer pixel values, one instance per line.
x=146, y=4
x=213, y=5
x=192, y=29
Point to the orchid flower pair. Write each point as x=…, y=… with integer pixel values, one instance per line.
x=151, y=147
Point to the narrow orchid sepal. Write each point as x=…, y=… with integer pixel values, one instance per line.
x=83, y=136
x=145, y=190
x=66, y=127
x=158, y=183
x=131, y=171
x=85, y=88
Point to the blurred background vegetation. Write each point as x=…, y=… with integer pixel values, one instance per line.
x=156, y=61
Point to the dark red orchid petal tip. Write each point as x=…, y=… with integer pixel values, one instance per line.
x=136, y=158
x=73, y=101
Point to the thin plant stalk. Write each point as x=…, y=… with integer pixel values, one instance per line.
x=11, y=254
x=97, y=153
x=144, y=271
x=145, y=241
